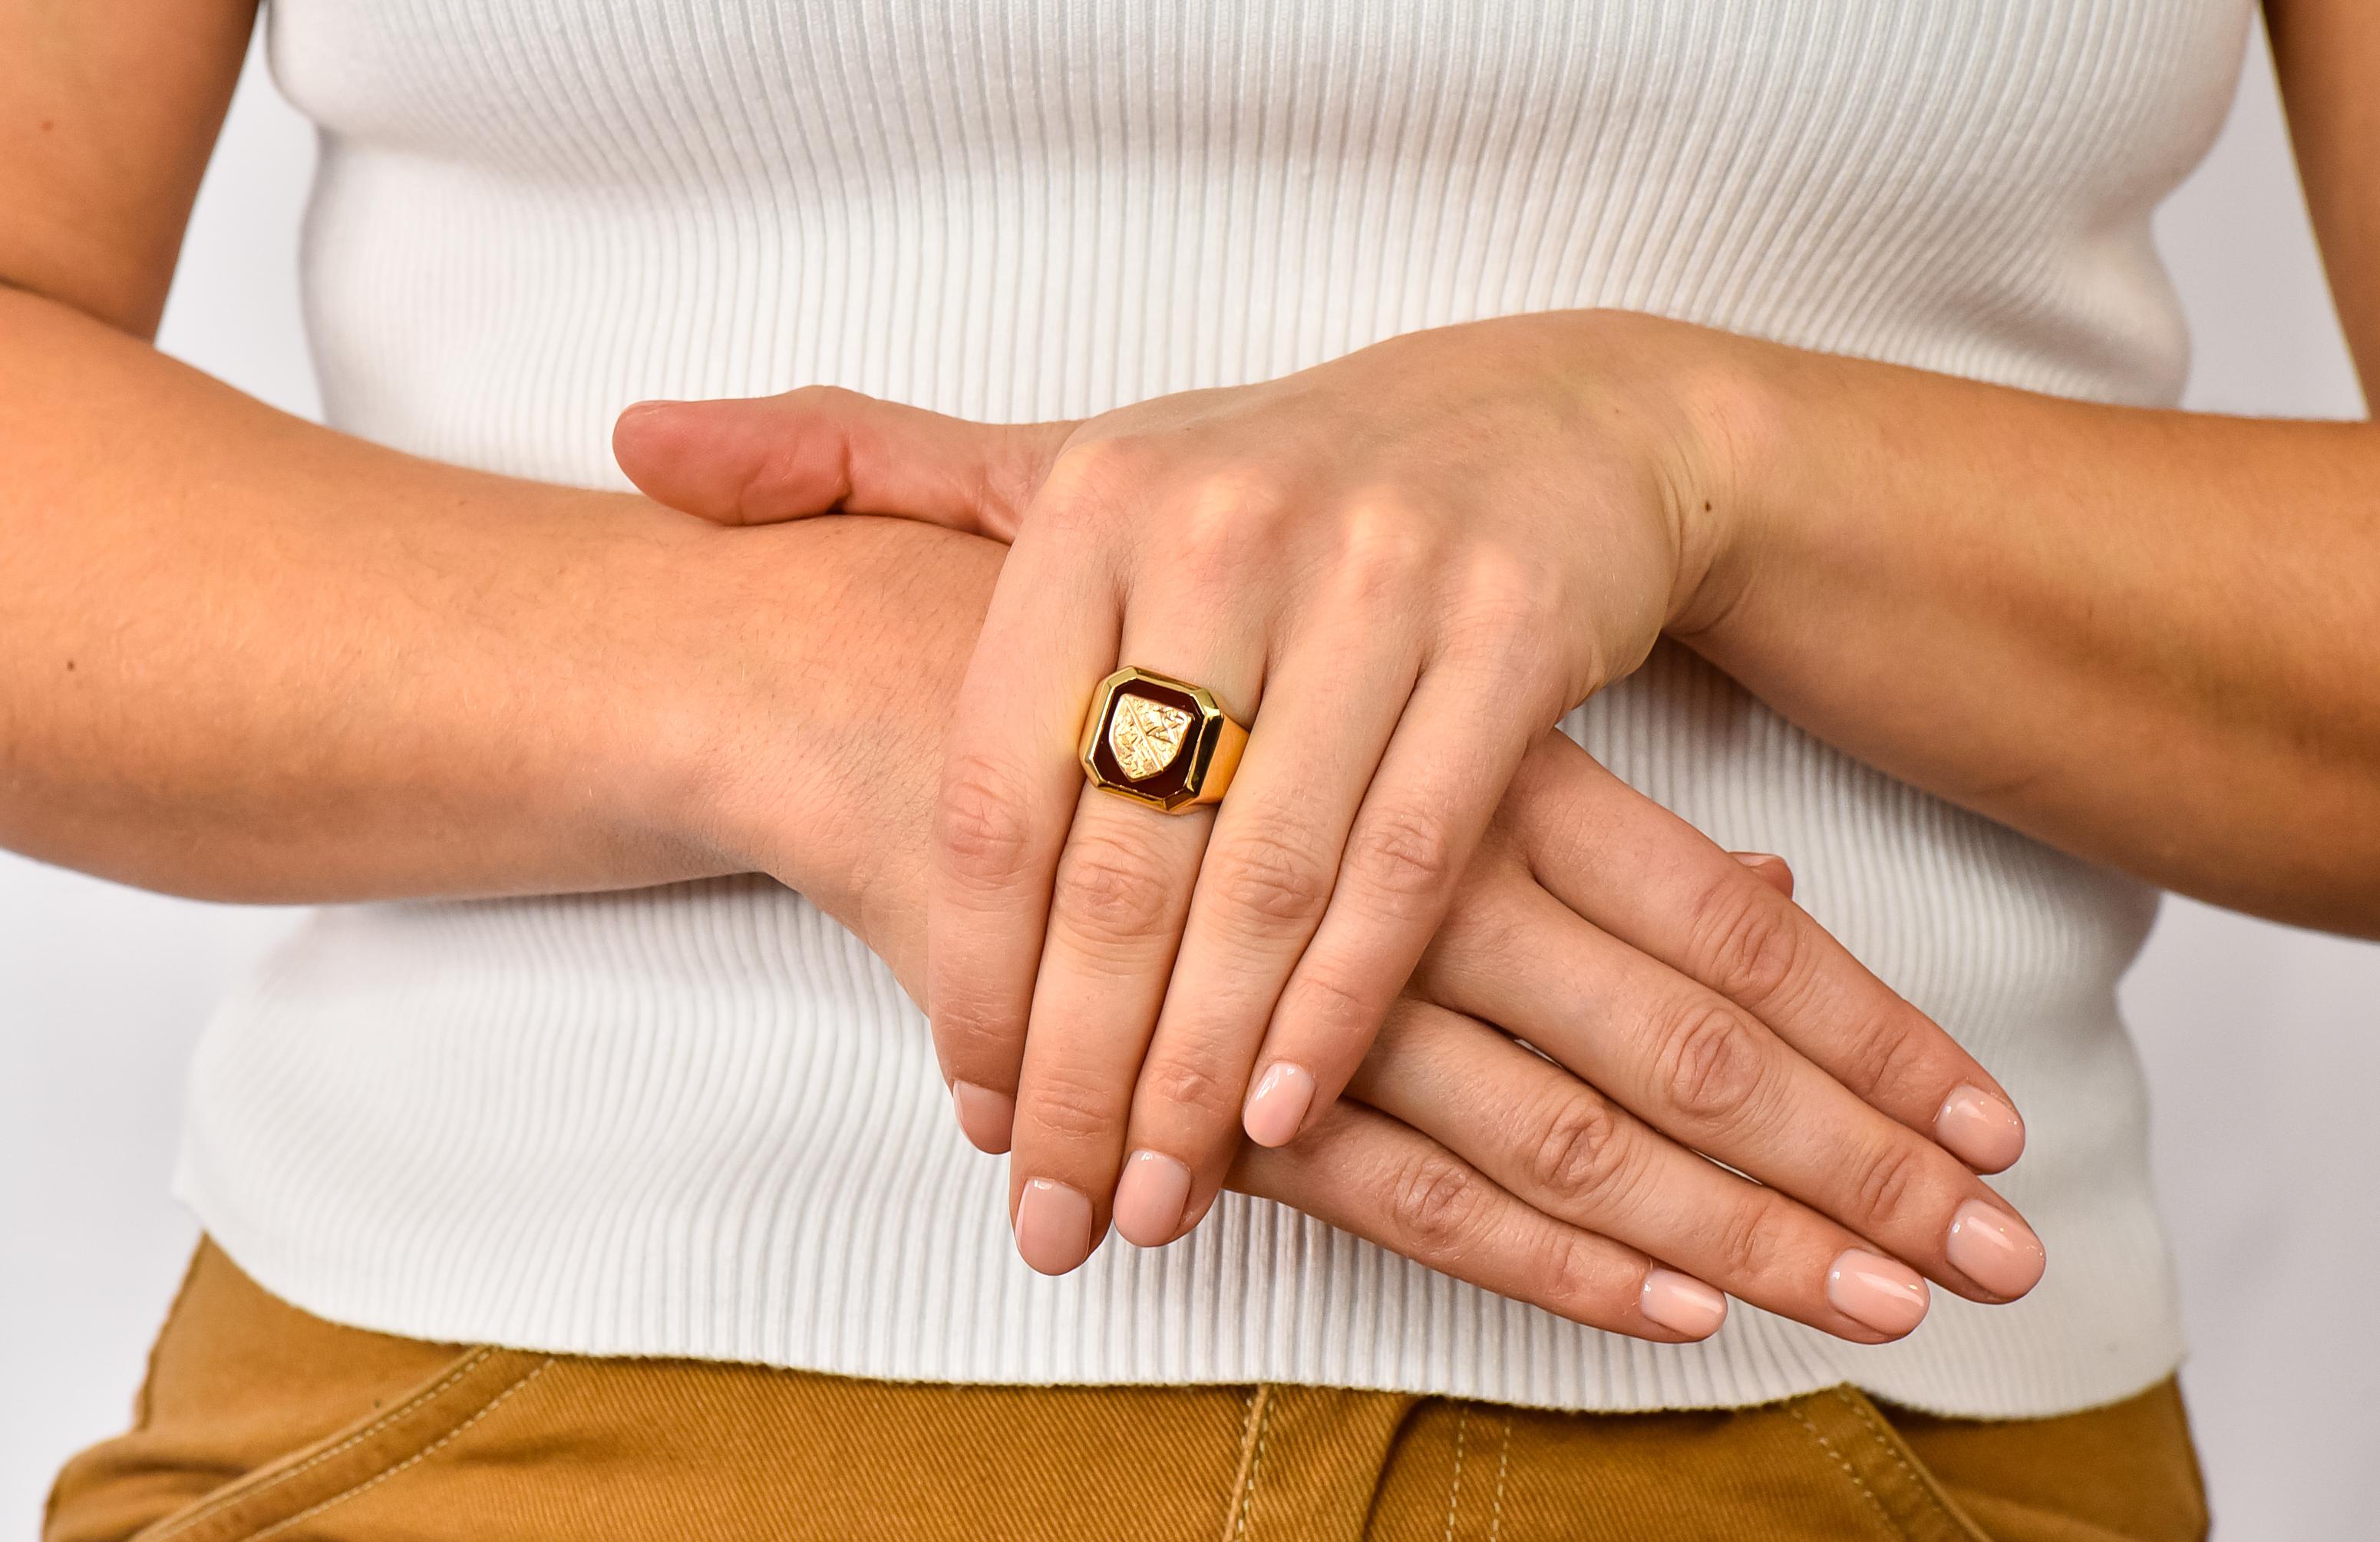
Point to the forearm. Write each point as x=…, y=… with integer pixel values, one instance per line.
x=242, y=656
x=2144, y=637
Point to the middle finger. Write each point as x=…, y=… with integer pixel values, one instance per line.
x=1117, y=906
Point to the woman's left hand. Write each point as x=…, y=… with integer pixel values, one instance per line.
x=1398, y=569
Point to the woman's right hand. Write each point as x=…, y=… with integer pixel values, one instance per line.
x=1682, y=1007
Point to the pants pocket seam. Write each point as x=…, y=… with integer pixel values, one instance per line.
x=1849, y=1471
x=423, y=1455
x=1912, y=1467
x=214, y=1504
x=1455, y=1491
x=1254, y=1432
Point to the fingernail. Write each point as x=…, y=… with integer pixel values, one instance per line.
x=1150, y=1198
x=1772, y=868
x=1887, y=1296
x=988, y=1118
x=1681, y=1304
x=1995, y=1249
x=1277, y=1105
x=1979, y=1129
x=1053, y=1226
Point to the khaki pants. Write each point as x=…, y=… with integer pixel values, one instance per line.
x=260, y=1421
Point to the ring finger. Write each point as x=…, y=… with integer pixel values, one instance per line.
x=1333, y=699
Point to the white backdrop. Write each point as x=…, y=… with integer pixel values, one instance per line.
x=2263, y=1043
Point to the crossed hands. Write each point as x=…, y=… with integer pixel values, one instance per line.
x=1428, y=972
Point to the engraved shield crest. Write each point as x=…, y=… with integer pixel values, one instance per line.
x=1145, y=736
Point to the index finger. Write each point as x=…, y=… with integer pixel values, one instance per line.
x=1689, y=904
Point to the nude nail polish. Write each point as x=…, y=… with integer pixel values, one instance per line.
x=985, y=1117
x=1995, y=1249
x=1053, y=1226
x=1979, y=1129
x=1681, y=1304
x=1150, y=1198
x=1277, y=1106
x=1871, y=1288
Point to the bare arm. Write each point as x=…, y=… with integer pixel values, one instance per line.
x=243, y=656
x=2150, y=637
x=2143, y=636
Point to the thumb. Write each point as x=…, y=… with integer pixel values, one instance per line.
x=820, y=450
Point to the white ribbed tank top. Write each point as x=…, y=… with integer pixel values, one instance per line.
x=703, y=1121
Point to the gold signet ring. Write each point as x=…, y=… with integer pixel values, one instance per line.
x=1160, y=741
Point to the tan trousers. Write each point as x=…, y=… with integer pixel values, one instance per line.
x=259, y=1420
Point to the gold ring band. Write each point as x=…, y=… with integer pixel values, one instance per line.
x=1160, y=741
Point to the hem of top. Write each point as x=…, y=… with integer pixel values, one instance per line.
x=1941, y=1402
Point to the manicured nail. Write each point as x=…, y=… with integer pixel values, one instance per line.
x=1995, y=1249
x=1053, y=1226
x=988, y=1118
x=1681, y=1304
x=1277, y=1105
x=1979, y=1129
x=1150, y=1198
x=1771, y=868
x=1887, y=1296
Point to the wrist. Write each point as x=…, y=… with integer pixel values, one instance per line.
x=819, y=664
x=654, y=744
x=1718, y=416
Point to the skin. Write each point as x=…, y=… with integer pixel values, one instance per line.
x=1700, y=1010
x=245, y=657
x=1562, y=490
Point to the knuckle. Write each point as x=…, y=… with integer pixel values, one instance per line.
x=1434, y=1203
x=1323, y=1007
x=1580, y=1151
x=1890, y=1183
x=980, y=822
x=1271, y=876
x=1111, y=889
x=1894, y=1057
x=822, y=399
x=1071, y=1107
x=1229, y=498
x=1404, y=854
x=1181, y=1084
x=1709, y=1063
x=1749, y=1237
x=1086, y=477
x=1572, y=1268
x=1220, y=520
x=1383, y=554
x=1745, y=946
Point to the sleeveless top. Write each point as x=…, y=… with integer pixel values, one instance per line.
x=703, y=1120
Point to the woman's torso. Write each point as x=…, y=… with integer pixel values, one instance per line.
x=703, y=1121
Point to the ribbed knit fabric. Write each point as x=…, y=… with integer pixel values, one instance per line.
x=702, y=1121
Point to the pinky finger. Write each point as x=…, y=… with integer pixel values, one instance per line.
x=1360, y=1171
